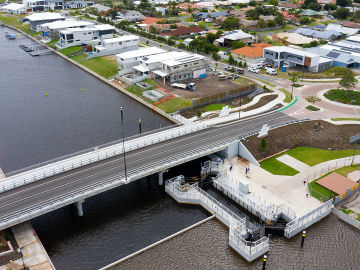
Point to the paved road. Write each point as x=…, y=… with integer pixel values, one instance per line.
x=27, y=196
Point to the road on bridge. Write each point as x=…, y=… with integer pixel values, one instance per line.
x=43, y=191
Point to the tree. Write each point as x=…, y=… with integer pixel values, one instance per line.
x=293, y=78
x=341, y=13
x=210, y=37
x=261, y=23
x=230, y=23
x=198, y=113
x=231, y=60
x=356, y=16
x=311, y=4
x=236, y=44
x=273, y=2
x=215, y=56
x=348, y=81
x=271, y=23
x=330, y=7
x=344, y=3
x=280, y=19
x=305, y=20
x=252, y=3
x=252, y=14
x=263, y=144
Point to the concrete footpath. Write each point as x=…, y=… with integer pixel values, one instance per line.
x=34, y=254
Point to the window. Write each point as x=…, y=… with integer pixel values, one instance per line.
x=89, y=33
x=175, y=67
x=185, y=65
x=196, y=63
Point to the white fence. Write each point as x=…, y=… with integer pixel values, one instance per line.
x=299, y=224
x=346, y=218
x=193, y=194
x=69, y=163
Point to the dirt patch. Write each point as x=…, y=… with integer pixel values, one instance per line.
x=329, y=136
x=205, y=87
x=264, y=100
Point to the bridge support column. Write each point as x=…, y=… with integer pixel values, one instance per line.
x=79, y=208
x=161, y=178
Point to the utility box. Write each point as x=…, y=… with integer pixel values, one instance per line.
x=243, y=186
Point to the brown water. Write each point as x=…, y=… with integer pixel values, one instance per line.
x=330, y=244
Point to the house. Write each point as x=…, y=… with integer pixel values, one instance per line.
x=191, y=66
x=14, y=8
x=329, y=35
x=130, y=15
x=116, y=45
x=250, y=53
x=236, y=35
x=313, y=13
x=184, y=31
x=77, y=4
x=319, y=27
x=290, y=38
x=347, y=31
x=207, y=5
x=161, y=10
x=127, y=60
x=79, y=36
x=288, y=17
x=42, y=5
x=101, y=8
x=52, y=29
x=324, y=2
x=287, y=6
x=37, y=19
x=160, y=27
x=280, y=56
x=350, y=24
x=213, y=15
x=186, y=6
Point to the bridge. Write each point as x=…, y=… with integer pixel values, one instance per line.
x=40, y=190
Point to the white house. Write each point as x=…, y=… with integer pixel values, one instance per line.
x=130, y=15
x=127, y=60
x=37, y=19
x=78, y=4
x=90, y=35
x=52, y=29
x=14, y=8
x=116, y=45
x=41, y=5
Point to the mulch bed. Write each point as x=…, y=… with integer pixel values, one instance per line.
x=264, y=100
x=329, y=136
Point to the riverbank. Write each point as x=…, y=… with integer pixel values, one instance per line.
x=117, y=87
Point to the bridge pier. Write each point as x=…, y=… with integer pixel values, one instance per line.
x=160, y=178
x=79, y=208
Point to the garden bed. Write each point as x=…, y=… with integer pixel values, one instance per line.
x=344, y=96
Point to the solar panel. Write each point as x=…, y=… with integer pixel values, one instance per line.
x=355, y=139
x=333, y=54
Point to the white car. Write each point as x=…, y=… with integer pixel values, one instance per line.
x=254, y=70
x=271, y=71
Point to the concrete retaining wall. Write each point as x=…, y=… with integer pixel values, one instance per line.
x=101, y=78
x=346, y=218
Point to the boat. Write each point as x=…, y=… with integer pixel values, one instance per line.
x=11, y=37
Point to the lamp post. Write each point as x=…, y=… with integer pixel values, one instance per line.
x=123, y=141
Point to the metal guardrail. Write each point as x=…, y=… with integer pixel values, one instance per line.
x=299, y=224
x=237, y=226
x=96, y=155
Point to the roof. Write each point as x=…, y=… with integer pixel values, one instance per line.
x=150, y=20
x=351, y=24
x=295, y=38
x=310, y=12
x=13, y=6
x=236, y=35
x=336, y=183
x=119, y=39
x=183, y=59
x=140, y=52
x=184, y=31
x=318, y=34
x=288, y=49
x=319, y=27
x=66, y=24
x=101, y=7
x=342, y=29
x=288, y=16
x=289, y=5
x=215, y=14
x=142, y=68
x=104, y=27
x=254, y=51
x=44, y=16
x=354, y=38
x=163, y=56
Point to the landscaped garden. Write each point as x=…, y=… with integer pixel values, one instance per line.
x=344, y=96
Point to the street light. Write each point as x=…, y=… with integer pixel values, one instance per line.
x=123, y=141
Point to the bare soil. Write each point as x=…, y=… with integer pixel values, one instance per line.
x=204, y=87
x=329, y=136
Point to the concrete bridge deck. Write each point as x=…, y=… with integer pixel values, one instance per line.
x=23, y=203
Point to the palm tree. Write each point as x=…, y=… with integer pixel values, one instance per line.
x=293, y=78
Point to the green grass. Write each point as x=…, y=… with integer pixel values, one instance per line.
x=344, y=96
x=345, y=119
x=287, y=98
x=215, y=107
x=319, y=192
x=105, y=66
x=52, y=43
x=189, y=19
x=172, y=105
x=349, y=211
x=70, y=50
x=14, y=21
x=272, y=42
x=243, y=81
x=205, y=24
x=312, y=108
x=312, y=156
x=276, y=167
x=344, y=171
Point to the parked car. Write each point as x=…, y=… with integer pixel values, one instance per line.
x=228, y=68
x=296, y=23
x=254, y=70
x=257, y=66
x=271, y=71
x=235, y=76
x=240, y=70
x=222, y=78
x=216, y=24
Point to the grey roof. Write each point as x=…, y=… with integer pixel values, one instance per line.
x=319, y=27
x=216, y=14
x=318, y=34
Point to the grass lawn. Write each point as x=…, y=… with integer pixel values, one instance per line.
x=205, y=24
x=215, y=107
x=52, y=43
x=312, y=156
x=70, y=50
x=272, y=42
x=172, y=105
x=189, y=19
x=14, y=21
x=312, y=108
x=105, y=66
x=344, y=96
x=243, y=81
x=344, y=171
x=345, y=119
x=287, y=95
x=319, y=192
x=276, y=167
x=349, y=211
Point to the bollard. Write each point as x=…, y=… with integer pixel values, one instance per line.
x=140, y=126
x=264, y=262
x=303, y=238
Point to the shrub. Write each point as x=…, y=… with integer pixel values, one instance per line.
x=263, y=144
x=199, y=113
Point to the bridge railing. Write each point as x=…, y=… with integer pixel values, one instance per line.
x=69, y=163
